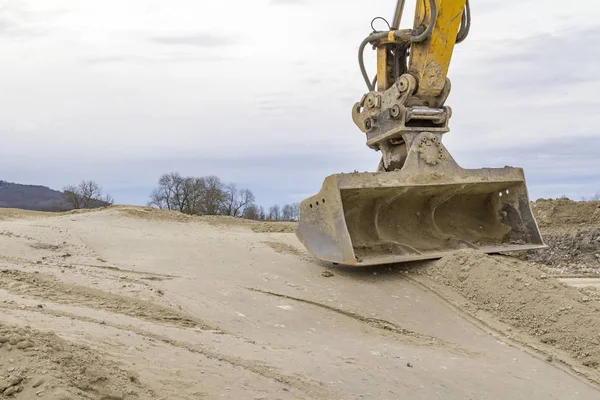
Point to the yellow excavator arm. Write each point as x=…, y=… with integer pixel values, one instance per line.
x=437, y=27
x=411, y=85
x=430, y=59
x=420, y=204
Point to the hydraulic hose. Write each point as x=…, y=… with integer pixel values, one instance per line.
x=379, y=35
x=465, y=24
x=423, y=36
x=361, y=50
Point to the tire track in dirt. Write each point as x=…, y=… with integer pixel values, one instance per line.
x=39, y=287
x=11, y=234
x=148, y=275
x=376, y=323
x=262, y=369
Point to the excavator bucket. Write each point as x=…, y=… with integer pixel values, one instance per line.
x=422, y=211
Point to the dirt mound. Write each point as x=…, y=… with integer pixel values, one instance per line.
x=150, y=213
x=284, y=248
x=570, y=253
x=256, y=226
x=14, y=213
x=565, y=213
x=278, y=227
x=37, y=365
x=571, y=229
x=153, y=214
x=521, y=295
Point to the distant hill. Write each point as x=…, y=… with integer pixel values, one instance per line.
x=32, y=197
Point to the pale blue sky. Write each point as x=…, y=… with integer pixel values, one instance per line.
x=260, y=93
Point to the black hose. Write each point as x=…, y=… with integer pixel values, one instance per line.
x=423, y=36
x=379, y=35
x=361, y=50
x=465, y=25
x=383, y=19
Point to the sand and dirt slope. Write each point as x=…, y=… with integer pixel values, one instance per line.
x=135, y=303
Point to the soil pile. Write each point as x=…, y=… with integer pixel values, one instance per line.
x=565, y=213
x=277, y=227
x=570, y=253
x=521, y=295
x=14, y=213
x=150, y=213
x=571, y=229
x=37, y=365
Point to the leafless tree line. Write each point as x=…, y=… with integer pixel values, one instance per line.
x=209, y=195
x=86, y=194
x=206, y=195
x=289, y=212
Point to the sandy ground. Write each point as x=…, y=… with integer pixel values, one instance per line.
x=132, y=303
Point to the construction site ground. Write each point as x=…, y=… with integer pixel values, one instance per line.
x=137, y=303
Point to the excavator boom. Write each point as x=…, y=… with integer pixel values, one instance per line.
x=419, y=204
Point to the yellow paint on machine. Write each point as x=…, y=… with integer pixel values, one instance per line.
x=430, y=59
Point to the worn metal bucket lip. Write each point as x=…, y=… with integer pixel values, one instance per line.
x=397, y=179
x=400, y=178
x=463, y=181
x=434, y=255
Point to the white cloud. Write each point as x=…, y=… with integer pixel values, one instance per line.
x=118, y=82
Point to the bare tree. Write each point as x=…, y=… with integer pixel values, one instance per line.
x=236, y=201
x=286, y=212
x=274, y=213
x=159, y=198
x=213, y=196
x=247, y=199
x=295, y=211
x=168, y=193
x=175, y=192
x=243, y=199
x=108, y=199
x=229, y=199
x=251, y=212
x=72, y=197
x=89, y=191
x=190, y=195
x=87, y=194
x=290, y=212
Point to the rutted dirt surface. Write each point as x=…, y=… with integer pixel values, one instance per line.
x=131, y=302
x=40, y=287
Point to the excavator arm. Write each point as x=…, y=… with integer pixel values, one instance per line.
x=411, y=85
x=438, y=26
x=420, y=204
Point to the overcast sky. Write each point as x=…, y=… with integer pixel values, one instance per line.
x=260, y=92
